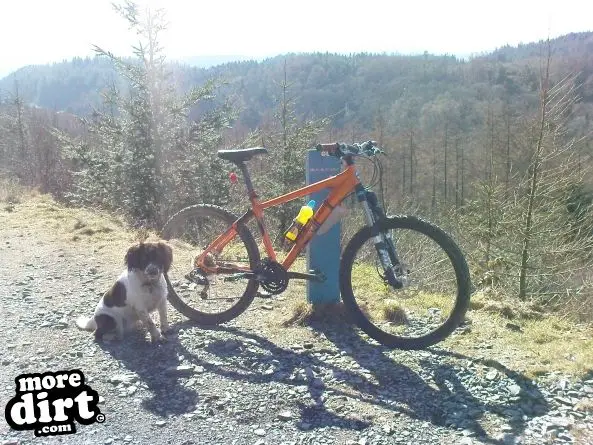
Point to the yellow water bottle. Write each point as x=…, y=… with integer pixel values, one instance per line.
x=301, y=219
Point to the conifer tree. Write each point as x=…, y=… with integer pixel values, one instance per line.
x=144, y=156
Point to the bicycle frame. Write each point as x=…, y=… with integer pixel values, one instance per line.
x=340, y=185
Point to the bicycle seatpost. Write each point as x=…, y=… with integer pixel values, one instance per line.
x=250, y=191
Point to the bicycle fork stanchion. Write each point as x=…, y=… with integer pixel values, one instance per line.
x=323, y=252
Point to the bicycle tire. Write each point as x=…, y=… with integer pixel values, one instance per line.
x=180, y=220
x=455, y=256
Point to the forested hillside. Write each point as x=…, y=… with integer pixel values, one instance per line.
x=354, y=89
x=497, y=148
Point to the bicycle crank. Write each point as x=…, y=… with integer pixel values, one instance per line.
x=272, y=277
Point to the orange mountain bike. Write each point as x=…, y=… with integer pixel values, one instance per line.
x=404, y=280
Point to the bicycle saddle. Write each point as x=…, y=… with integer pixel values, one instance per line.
x=240, y=155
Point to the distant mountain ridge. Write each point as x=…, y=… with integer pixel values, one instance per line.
x=356, y=89
x=213, y=60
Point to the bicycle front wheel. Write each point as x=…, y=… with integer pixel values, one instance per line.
x=209, y=299
x=436, y=285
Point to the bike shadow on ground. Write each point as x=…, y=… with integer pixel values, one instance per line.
x=385, y=383
x=528, y=396
x=246, y=354
x=430, y=396
x=155, y=365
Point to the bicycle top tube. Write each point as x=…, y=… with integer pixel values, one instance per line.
x=346, y=152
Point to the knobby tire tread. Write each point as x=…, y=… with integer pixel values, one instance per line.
x=461, y=271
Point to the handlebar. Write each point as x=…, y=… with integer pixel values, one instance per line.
x=340, y=150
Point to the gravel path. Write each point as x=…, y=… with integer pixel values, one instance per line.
x=245, y=384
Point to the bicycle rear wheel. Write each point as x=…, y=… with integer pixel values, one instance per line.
x=209, y=299
x=436, y=285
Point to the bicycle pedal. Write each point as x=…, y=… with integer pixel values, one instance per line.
x=195, y=277
x=320, y=276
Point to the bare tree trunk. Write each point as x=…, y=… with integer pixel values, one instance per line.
x=533, y=181
x=284, y=217
x=18, y=102
x=489, y=159
x=411, y=162
x=380, y=127
x=462, y=175
x=446, y=150
x=457, y=182
x=490, y=187
x=508, y=156
x=490, y=235
x=154, y=70
x=404, y=170
x=22, y=164
x=434, y=178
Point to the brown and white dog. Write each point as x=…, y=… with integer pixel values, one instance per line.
x=140, y=290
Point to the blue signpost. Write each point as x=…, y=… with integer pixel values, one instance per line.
x=323, y=253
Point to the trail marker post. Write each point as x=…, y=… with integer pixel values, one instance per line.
x=323, y=252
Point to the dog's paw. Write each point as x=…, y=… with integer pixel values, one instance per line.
x=107, y=337
x=158, y=338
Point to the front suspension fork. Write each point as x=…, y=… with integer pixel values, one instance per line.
x=383, y=241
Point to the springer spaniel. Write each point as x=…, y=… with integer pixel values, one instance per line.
x=139, y=290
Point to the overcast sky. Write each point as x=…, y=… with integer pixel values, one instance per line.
x=42, y=31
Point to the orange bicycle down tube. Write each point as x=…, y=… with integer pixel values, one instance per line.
x=340, y=185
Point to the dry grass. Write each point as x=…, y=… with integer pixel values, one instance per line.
x=79, y=228
x=12, y=193
x=393, y=312
x=582, y=436
x=544, y=343
x=584, y=405
x=511, y=310
x=303, y=313
x=378, y=294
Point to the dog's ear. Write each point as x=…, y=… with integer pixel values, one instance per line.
x=131, y=257
x=167, y=255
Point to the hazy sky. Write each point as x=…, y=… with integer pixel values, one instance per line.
x=42, y=31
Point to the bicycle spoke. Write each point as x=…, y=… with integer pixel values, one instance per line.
x=201, y=292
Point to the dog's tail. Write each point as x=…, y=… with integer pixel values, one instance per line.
x=86, y=323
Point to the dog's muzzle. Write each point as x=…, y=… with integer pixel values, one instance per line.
x=152, y=270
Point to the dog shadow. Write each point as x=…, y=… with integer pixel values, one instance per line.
x=436, y=394
x=158, y=367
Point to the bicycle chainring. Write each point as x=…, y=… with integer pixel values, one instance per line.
x=274, y=278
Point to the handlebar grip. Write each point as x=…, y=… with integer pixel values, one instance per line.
x=337, y=149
